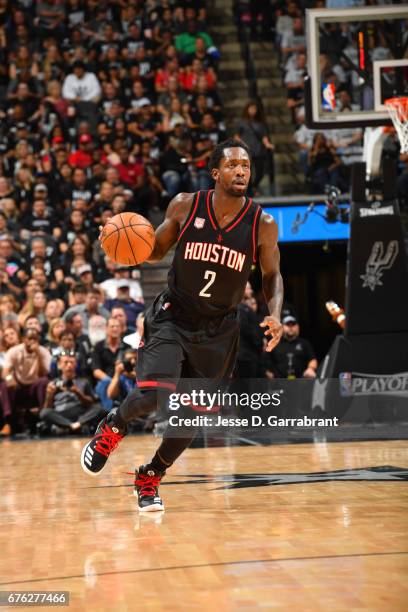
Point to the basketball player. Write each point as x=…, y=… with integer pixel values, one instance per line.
x=191, y=330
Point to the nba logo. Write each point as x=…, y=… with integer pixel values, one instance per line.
x=199, y=223
x=328, y=97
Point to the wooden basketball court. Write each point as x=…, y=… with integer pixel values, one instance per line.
x=244, y=527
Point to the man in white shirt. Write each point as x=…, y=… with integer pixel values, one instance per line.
x=81, y=86
x=83, y=89
x=110, y=285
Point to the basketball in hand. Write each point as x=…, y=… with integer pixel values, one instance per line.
x=128, y=238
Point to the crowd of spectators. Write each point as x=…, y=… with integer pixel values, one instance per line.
x=105, y=106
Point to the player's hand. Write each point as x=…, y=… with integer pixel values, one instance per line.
x=274, y=329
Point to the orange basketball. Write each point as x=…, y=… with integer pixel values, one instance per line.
x=128, y=238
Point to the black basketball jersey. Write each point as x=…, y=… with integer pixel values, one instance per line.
x=211, y=265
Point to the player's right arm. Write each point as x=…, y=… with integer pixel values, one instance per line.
x=168, y=231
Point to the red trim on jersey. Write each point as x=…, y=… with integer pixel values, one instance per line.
x=209, y=210
x=240, y=217
x=254, y=235
x=192, y=215
x=156, y=384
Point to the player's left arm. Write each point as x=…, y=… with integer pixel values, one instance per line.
x=272, y=284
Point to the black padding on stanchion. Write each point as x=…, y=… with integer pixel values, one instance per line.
x=377, y=275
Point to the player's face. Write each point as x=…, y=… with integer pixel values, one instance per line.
x=234, y=171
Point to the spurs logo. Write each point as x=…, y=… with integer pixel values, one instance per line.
x=377, y=263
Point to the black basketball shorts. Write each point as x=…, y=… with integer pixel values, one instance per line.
x=206, y=349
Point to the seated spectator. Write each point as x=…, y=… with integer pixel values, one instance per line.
x=8, y=310
x=131, y=171
x=41, y=221
x=323, y=165
x=174, y=163
x=11, y=337
x=25, y=372
x=201, y=53
x=76, y=225
x=124, y=377
x=82, y=343
x=97, y=329
x=86, y=276
x=55, y=329
x=294, y=356
x=76, y=296
x=348, y=144
x=133, y=340
x=294, y=80
x=77, y=255
x=90, y=307
x=69, y=402
x=81, y=189
x=80, y=85
x=82, y=157
x=34, y=306
x=171, y=91
x=50, y=18
x=186, y=42
x=303, y=138
x=40, y=246
x=294, y=40
x=119, y=313
x=31, y=322
x=194, y=72
x=54, y=309
x=104, y=356
x=123, y=299
x=67, y=343
x=14, y=260
x=83, y=88
x=116, y=273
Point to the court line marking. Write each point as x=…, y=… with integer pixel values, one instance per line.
x=149, y=570
x=249, y=442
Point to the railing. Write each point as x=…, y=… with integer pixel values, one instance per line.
x=250, y=71
x=298, y=199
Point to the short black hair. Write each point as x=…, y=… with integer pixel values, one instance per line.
x=79, y=288
x=218, y=152
x=30, y=331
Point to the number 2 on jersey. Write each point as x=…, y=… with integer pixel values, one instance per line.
x=208, y=274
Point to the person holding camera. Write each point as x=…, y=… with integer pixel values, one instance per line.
x=69, y=401
x=124, y=378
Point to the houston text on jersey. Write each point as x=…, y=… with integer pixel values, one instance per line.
x=215, y=253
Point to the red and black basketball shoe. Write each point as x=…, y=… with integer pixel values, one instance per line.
x=96, y=452
x=147, y=481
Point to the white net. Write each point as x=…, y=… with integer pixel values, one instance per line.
x=398, y=110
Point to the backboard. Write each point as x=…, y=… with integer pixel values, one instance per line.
x=357, y=58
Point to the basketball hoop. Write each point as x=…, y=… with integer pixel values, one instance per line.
x=398, y=110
